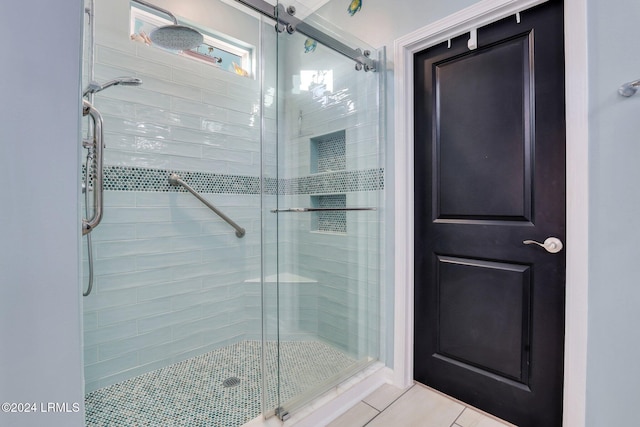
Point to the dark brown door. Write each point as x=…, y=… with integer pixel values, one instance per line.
x=490, y=174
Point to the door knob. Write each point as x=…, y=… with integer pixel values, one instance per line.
x=551, y=244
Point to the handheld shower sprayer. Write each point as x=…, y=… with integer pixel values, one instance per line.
x=95, y=87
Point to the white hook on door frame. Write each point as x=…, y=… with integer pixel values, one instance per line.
x=473, y=39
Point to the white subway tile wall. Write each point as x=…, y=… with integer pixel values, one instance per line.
x=169, y=274
x=343, y=307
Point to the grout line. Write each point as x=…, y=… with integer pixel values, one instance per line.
x=470, y=407
x=458, y=417
x=387, y=407
x=376, y=416
x=397, y=398
x=372, y=406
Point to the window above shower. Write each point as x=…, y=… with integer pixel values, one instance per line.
x=217, y=49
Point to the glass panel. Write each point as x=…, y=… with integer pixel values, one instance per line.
x=173, y=325
x=328, y=260
x=210, y=328
x=270, y=349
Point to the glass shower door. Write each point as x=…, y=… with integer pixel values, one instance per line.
x=189, y=323
x=173, y=324
x=329, y=183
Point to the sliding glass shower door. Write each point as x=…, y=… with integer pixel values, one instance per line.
x=190, y=321
x=326, y=213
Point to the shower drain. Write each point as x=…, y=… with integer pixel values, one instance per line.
x=231, y=382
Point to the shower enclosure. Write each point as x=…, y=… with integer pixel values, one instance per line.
x=189, y=321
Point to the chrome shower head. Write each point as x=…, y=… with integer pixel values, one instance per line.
x=173, y=37
x=95, y=87
x=176, y=37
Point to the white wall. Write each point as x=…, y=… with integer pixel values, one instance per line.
x=40, y=338
x=380, y=22
x=614, y=270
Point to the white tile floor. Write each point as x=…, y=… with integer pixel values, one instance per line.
x=419, y=406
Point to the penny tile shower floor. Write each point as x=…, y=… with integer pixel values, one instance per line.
x=193, y=393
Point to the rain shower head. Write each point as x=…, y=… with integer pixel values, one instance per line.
x=173, y=37
x=95, y=87
x=176, y=37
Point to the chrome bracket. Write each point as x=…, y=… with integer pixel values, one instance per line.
x=282, y=413
x=629, y=89
x=286, y=21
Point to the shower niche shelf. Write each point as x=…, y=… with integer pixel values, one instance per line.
x=328, y=152
x=334, y=222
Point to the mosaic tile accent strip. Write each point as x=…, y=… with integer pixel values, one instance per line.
x=192, y=393
x=272, y=186
x=129, y=178
x=335, y=182
x=121, y=178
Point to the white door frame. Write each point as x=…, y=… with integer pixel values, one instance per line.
x=475, y=16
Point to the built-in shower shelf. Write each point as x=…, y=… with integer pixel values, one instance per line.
x=283, y=278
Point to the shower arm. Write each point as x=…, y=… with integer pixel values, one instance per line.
x=89, y=224
x=159, y=9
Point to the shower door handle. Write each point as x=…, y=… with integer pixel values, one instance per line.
x=89, y=224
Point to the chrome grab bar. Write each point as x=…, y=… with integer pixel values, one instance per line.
x=321, y=209
x=89, y=224
x=175, y=180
